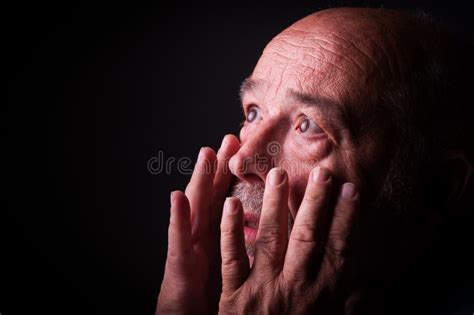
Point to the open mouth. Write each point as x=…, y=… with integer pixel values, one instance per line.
x=251, y=220
x=250, y=227
x=251, y=224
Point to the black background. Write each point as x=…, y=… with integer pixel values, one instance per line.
x=94, y=92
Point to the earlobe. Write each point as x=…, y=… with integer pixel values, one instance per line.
x=459, y=169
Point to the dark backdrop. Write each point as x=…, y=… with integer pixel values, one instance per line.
x=95, y=92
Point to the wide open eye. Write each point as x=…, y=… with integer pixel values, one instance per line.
x=252, y=114
x=306, y=125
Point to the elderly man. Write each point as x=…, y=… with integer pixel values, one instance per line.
x=354, y=154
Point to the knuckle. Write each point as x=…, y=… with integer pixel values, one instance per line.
x=232, y=262
x=273, y=201
x=294, y=279
x=269, y=246
x=227, y=246
x=243, y=301
x=317, y=198
x=304, y=232
x=175, y=227
x=336, y=249
x=334, y=267
x=344, y=208
x=270, y=236
x=173, y=255
x=230, y=269
x=175, y=259
x=229, y=229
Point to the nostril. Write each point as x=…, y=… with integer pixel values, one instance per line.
x=247, y=166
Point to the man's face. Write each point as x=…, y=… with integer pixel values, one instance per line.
x=313, y=91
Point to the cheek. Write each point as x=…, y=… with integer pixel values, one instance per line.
x=297, y=188
x=301, y=153
x=299, y=159
x=299, y=162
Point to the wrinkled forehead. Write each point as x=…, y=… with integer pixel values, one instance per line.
x=308, y=62
x=342, y=60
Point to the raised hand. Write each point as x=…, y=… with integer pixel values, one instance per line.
x=300, y=274
x=191, y=282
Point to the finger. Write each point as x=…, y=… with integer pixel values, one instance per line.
x=310, y=228
x=235, y=263
x=343, y=224
x=272, y=235
x=199, y=191
x=180, y=252
x=337, y=245
x=230, y=145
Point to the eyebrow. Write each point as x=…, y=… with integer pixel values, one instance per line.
x=327, y=106
x=330, y=108
x=248, y=85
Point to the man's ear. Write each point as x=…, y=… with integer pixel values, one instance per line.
x=459, y=170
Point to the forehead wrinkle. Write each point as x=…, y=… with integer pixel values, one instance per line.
x=376, y=52
x=285, y=39
x=316, y=66
x=306, y=75
x=335, y=49
x=288, y=61
x=364, y=54
x=375, y=34
x=312, y=50
x=322, y=72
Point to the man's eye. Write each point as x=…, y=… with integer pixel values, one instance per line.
x=306, y=125
x=252, y=114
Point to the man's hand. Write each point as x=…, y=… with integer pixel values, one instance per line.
x=297, y=276
x=191, y=283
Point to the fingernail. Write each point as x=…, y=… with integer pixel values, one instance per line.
x=229, y=206
x=276, y=176
x=320, y=175
x=348, y=191
x=223, y=145
x=201, y=153
x=224, y=142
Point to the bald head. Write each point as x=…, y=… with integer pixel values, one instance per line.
x=390, y=78
x=363, y=50
x=377, y=97
x=387, y=58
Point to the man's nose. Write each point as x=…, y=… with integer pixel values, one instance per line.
x=259, y=152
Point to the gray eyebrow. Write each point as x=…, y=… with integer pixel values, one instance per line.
x=248, y=85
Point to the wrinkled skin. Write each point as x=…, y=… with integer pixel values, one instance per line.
x=327, y=70
x=191, y=283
